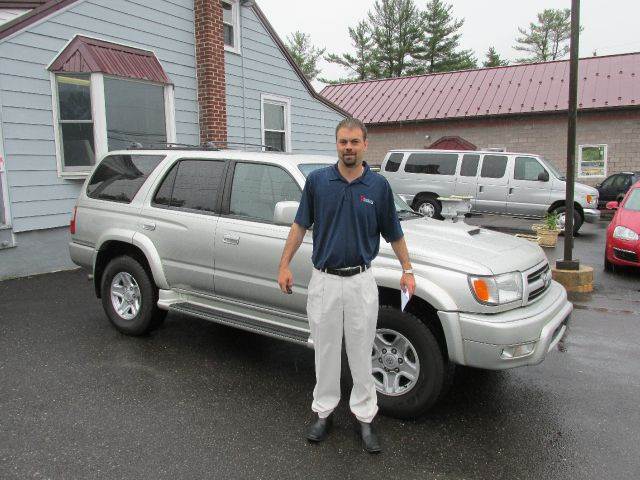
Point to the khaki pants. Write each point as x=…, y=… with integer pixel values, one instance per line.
x=350, y=304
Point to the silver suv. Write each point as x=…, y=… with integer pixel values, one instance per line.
x=201, y=233
x=500, y=183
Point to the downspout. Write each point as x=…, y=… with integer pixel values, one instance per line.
x=244, y=95
x=5, y=201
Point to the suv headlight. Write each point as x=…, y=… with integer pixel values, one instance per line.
x=624, y=233
x=592, y=199
x=498, y=289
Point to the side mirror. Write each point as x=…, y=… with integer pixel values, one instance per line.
x=284, y=213
x=611, y=205
x=543, y=176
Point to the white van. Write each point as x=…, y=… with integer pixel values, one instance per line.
x=502, y=183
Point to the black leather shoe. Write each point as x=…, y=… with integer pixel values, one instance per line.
x=369, y=438
x=320, y=429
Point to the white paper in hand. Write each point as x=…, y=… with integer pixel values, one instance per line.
x=404, y=299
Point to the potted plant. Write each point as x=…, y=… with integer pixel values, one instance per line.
x=547, y=232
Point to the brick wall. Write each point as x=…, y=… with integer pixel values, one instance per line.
x=210, y=70
x=545, y=135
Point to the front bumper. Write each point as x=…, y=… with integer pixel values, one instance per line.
x=480, y=341
x=591, y=215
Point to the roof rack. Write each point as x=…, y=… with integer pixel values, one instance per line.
x=209, y=145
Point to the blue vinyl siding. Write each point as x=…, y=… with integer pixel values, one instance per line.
x=39, y=198
x=263, y=69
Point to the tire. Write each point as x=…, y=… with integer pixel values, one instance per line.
x=577, y=218
x=125, y=279
x=406, y=399
x=608, y=266
x=428, y=206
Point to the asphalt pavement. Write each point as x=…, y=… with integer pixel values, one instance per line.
x=198, y=400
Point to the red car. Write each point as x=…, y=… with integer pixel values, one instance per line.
x=623, y=243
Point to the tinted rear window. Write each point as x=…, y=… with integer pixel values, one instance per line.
x=393, y=162
x=494, y=166
x=192, y=185
x=432, y=163
x=119, y=177
x=469, y=166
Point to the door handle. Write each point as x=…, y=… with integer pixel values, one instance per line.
x=510, y=190
x=480, y=187
x=149, y=226
x=231, y=240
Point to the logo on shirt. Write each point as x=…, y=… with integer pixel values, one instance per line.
x=366, y=200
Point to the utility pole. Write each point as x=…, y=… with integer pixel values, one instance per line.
x=568, y=263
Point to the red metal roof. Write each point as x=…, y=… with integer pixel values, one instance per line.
x=85, y=54
x=604, y=82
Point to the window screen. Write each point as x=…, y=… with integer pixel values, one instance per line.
x=432, y=163
x=469, y=166
x=192, y=185
x=257, y=188
x=527, y=168
x=135, y=113
x=393, y=162
x=119, y=177
x=494, y=166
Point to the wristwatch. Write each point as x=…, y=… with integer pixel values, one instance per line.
x=408, y=270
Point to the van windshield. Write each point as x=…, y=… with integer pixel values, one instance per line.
x=552, y=168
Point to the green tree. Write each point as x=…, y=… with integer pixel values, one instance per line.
x=359, y=65
x=438, y=48
x=395, y=32
x=493, y=59
x=304, y=53
x=547, y=39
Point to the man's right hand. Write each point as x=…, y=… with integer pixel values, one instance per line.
x=285, y=280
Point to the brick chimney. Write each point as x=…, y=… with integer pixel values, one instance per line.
x=210, y=70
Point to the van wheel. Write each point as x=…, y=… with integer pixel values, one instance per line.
x=428, y=206
x=129, y=297
x=561, y=212
x=409, y=369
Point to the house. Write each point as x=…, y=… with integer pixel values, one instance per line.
x=519, y=108
x=79, y=78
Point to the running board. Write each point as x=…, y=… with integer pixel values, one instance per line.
x=280, y=332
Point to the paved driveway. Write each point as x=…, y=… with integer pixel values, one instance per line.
x=197, y=400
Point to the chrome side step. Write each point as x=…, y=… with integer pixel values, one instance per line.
x=243, y=323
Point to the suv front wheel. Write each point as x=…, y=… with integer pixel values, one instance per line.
x=129, y=297
x=409, y=369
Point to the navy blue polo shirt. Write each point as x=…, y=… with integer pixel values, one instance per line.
x=347, y=218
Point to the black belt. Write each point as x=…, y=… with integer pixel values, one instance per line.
x=346, y=271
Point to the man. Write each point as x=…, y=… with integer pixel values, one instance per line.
x=349, y=207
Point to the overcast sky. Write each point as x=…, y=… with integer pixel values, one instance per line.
x=610, y=26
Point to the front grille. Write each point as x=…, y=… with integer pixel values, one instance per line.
x=625, y=255
x=536, y=285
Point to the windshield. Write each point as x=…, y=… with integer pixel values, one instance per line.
x=402, y=207
x=633, y=202
x=553, y=169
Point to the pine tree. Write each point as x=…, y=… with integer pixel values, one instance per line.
x=440, y=40
x=360, y=65
x=548, y=38
x=304, y=53
x=493, y=59
x=395, y=31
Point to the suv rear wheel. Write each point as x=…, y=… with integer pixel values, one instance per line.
x=409, y=369
x=129, y=297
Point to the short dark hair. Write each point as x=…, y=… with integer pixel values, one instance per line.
x=351, y=122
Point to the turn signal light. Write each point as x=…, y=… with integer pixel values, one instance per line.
x=589, y=199
x=481, y=289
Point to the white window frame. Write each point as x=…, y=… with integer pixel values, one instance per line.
x=235, y=14
x=280, y=101
x=606, y=159
x=98, y=114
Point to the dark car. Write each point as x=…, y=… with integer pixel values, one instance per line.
x=615, y=186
